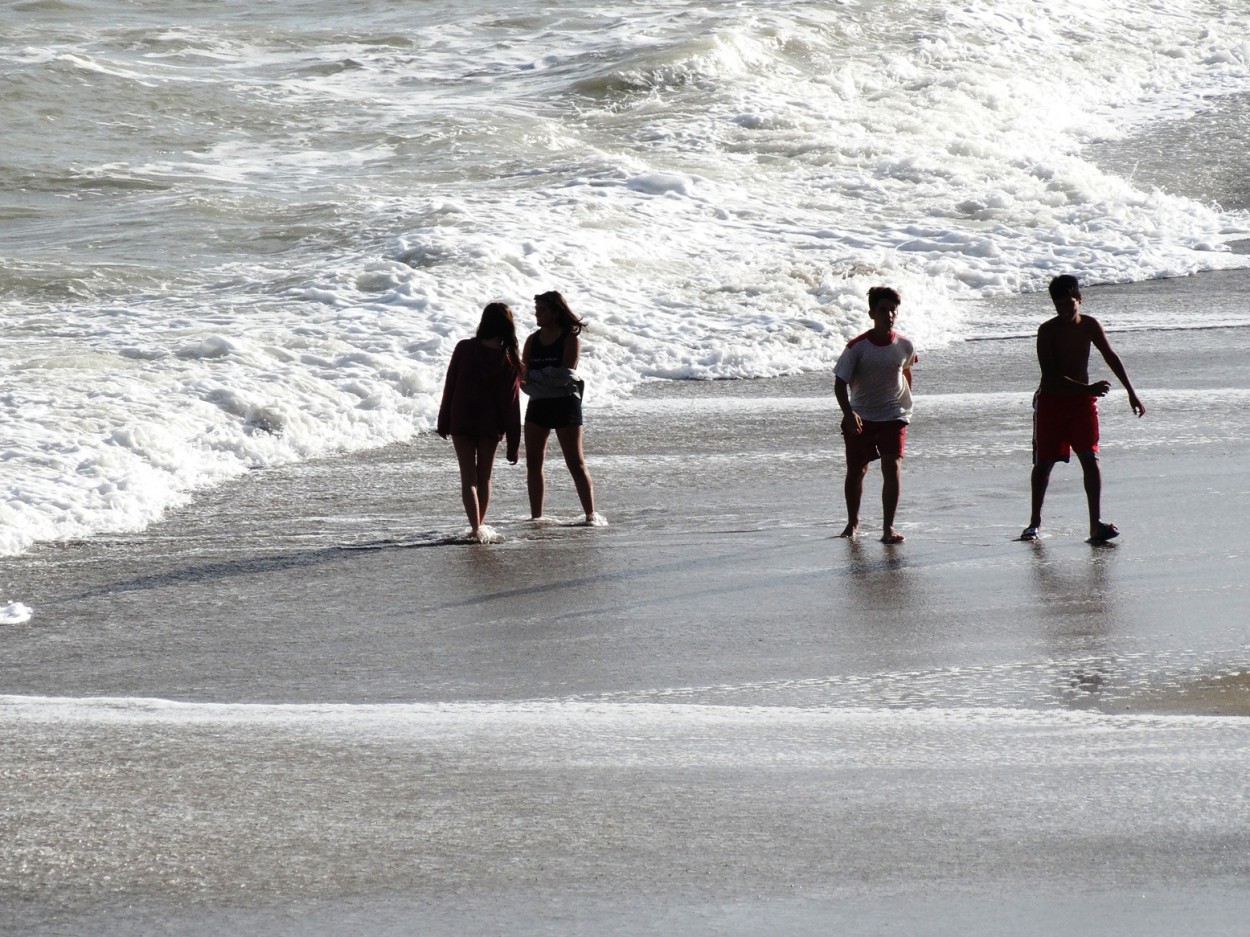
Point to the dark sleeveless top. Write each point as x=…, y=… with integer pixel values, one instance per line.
x=547, y=356
x=551, y=412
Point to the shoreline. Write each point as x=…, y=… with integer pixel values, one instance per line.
x=695, y=475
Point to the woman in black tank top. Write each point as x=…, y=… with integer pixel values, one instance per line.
x=555, y=344
x=552, y=412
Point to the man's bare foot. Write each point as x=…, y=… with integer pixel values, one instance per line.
x=892, y=536
x=849, y=531
x=1101, y=533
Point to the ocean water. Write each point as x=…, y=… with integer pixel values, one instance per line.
x=242, y=234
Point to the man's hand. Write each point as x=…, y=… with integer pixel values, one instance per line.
x=852, y=425
x=513, y=456
x=1100, y=388
x=1136, y=405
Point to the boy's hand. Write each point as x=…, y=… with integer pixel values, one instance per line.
x=852, y=425
x=1136, y=405
x=1100, y=388
x=513, y=456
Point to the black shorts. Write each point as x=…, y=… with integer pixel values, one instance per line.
x=554, y=412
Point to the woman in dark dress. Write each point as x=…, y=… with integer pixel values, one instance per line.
x=481, y=405
x=550, y=363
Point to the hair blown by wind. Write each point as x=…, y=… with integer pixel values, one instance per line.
x=554, y=303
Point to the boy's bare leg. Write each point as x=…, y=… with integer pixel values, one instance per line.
x=1039, y=479
x=1093, y=491
x=535, y=451
x=854, y=490
x=891, y=478
x=570, y=439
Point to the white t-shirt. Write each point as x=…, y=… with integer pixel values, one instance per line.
x=874, y=373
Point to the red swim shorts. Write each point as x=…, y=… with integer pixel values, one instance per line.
x=878, y=440
x=1063, y=425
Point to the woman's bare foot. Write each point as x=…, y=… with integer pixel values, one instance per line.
x=849, y=531
x=892, y=536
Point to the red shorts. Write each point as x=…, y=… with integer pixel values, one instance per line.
x=878, y=440
x=1063, y=425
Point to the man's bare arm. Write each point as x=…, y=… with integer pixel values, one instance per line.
x=851, y=422
x=1099, y=338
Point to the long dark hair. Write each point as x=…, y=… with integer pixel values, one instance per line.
x=554, y=302
x=497, y=323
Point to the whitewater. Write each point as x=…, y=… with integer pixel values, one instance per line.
x=248, y=234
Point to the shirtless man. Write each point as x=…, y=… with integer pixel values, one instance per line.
x=872, y=381
x=1065, y=416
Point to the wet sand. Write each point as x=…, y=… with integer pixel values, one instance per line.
x=712, y=716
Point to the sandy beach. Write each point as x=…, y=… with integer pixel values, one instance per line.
x=292, y=706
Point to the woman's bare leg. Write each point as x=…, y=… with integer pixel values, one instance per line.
x=570, y=438
x=467, y=455
x=535, y=452
x=486, y=446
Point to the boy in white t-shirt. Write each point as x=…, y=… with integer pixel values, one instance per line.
x=872, y=381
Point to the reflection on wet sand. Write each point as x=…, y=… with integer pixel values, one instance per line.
x=1078, y=601
x=1074, y=600
x=1220, y=695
